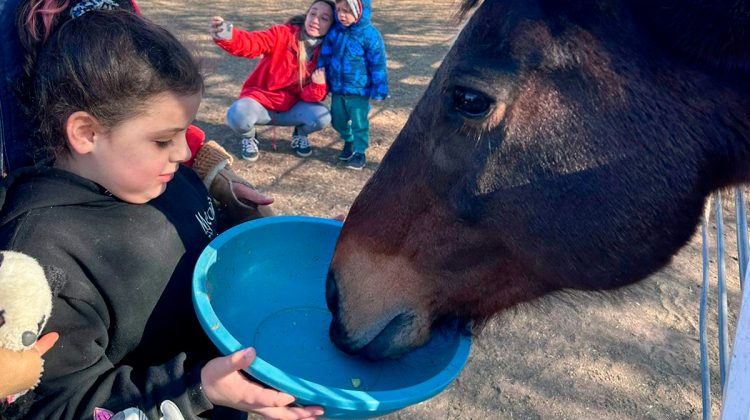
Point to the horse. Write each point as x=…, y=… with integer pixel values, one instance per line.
x=559, y=145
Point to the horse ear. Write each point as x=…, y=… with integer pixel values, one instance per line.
x=709, y=32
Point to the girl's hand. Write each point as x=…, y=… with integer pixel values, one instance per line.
x=46, y=342
x=217, y=23
x=224, y=385
x=319, y=76
x=20, y=370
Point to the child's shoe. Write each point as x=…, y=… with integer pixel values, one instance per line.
x=301, y=145
x=348, y=151
x=357, y=162
x=249, y=149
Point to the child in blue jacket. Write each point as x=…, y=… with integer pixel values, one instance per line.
x=353, y=55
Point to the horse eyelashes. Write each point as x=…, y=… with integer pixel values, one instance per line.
x=470, y=103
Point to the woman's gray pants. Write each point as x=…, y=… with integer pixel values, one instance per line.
x=305, y=117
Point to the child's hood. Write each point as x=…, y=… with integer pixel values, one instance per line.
x=364, y=7
x=43, y=187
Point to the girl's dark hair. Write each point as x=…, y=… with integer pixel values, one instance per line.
x=107, y=63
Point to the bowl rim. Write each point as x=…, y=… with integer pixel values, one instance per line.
x=301, y=388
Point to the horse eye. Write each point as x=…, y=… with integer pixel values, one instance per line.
x=2, y=318
x=470, y=103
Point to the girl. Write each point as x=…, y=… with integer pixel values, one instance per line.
x=284, y=89
x=112, y=96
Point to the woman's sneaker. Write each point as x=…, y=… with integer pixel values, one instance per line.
x=357, y=162
x=249, y=149
x=348, y=151
x=301, y=145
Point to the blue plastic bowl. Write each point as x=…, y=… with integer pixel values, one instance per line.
x=262, y=284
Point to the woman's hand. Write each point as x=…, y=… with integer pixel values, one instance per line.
x=224, y=384
x=319, y=76
x=216, y=23
x=218, y=27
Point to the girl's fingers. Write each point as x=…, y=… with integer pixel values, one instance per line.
x=46, y=342
x=269, y=397
x=238, y=360
x=291, y=413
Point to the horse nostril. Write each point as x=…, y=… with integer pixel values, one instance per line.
x=28, y=338
x=332, y=293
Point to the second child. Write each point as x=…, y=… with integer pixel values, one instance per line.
x=353, y=55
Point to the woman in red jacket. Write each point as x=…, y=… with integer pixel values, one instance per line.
x=285, y=88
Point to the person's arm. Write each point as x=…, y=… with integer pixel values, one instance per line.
x=376, y=65
x=317, y=89
x=20, y=370
x=237, y=200
x=248, y=44
x=78, y=375
x=195, y=138
x=225, y=186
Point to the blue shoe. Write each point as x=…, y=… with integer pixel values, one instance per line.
x=348, y=151
x=357, y=162
x=301, y=145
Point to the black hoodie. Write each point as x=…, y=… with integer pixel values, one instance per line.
x=128, y=332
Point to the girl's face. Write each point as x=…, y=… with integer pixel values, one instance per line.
x=318, y=20
x=136, y=159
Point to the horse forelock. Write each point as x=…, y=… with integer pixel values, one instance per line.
x=712, y=33
x=466, y=7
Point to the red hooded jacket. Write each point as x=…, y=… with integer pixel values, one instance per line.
x=275, y=81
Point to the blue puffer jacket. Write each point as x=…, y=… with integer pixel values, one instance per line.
x=354, y=58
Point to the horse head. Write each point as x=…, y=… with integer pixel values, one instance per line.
x=559, y=145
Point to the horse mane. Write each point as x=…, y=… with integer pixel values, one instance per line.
x=466, y=7
x=712, y=33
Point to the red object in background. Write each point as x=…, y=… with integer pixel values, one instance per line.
x=194, y=135
x=195, y=138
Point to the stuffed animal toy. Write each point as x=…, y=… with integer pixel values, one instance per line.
x=25, y=307
x=26, y=291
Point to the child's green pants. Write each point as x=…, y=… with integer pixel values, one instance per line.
x=354, y=109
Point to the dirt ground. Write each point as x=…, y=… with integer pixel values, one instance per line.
x=628, y=354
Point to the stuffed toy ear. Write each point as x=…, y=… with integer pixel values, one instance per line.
x=55, y=278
